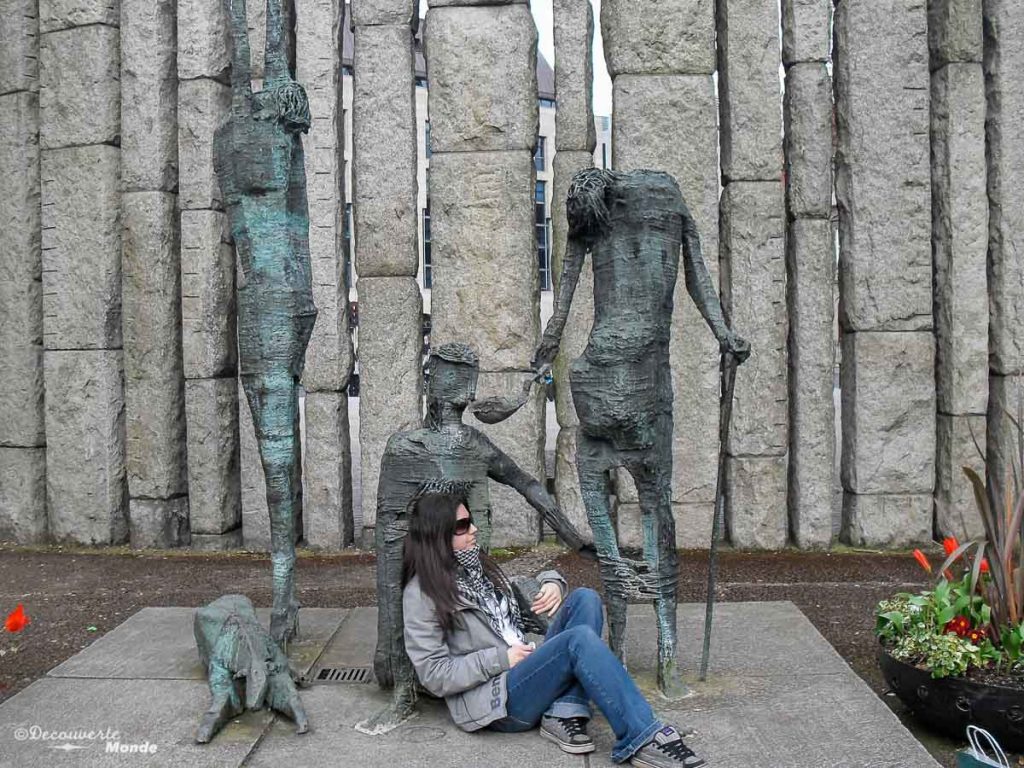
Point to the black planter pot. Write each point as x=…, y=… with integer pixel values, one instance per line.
x=949, y=704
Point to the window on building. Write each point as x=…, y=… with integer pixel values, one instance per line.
x=427, y=276
x=538, y=155
x=541, y=226
x=426, y=135
x=347, y=240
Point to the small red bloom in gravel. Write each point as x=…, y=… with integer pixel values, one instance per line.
x=949, y=545
x=984, y=565
x=922, y=560
x=16, y=620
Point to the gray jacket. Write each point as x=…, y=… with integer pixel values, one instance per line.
x=467, y=666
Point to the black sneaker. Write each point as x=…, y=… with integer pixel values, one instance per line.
x=569, y=733
x=666, y=750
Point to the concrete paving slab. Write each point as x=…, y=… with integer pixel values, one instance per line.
x=429, y=740
x=157, y=644
x=160, y=713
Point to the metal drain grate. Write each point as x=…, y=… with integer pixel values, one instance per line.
x=344, y=675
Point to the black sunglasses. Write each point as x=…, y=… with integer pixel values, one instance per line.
x=462, y=524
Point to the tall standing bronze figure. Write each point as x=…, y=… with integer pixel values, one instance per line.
x=259, y=163
x=633, y=224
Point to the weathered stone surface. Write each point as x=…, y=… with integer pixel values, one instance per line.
x=670, y=123
x=680, y=41
x=216, y=542
x=158, y=523
x=384, y=146
x=151, y=287
x=80, y=97
x=202, y=40
x=887, y=521
x=567, y=482
x=753, y=262
x=202, y=106
x=444, y=3
x=149, y=95
x=882, y=172
x=61, y=14
x=888, y=386
x=808, y=117
x=1002, y=453
x=692, y=521
x=208, y=317
x=755, y=506
x=1004, y=61
x=806, y=33
x=211, y=411
x=23, y=495
x=86, y=494
x=256, y=14
x=958, y=439
x=960, y=238
x=327, y=472
x=255, y=513
x=483, y=78
x=19, y=46
x=390, y=357
x=954, y=31
x=574, y=75
x=21, y=296
x=366, y=12
x=318, y=67
x=81, y=246
x=749, y=89
x=156, y=458
x=581, y=313
x=514, y=522
x=810, y=264
x=483, y=235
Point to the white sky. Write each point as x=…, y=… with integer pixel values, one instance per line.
x=542, y=16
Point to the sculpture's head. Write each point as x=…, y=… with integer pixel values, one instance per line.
x=585, y=207
x=285, y=102
x=452, y=375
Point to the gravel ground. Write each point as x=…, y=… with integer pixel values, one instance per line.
x=74, y=595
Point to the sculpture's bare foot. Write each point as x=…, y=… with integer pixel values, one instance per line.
x=670, y=681
x=402, y=708
x=633, y=579
x=216, y=717
x=284, y=698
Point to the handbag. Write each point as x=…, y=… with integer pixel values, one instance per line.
x=977, y=754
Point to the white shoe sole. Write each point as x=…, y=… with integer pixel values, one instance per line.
x=572, y=749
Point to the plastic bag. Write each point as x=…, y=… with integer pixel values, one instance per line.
x=977, y=755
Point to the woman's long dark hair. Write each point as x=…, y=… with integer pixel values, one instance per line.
x=428, y=553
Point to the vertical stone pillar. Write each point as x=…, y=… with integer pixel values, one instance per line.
x=80, y=127
x=666, y=119
x=1004, y=93
x=575, y=139
x=151, y=276
x=327, y=457
x=386, y=214
x=753, y=231
x=22, y=430
x=885, y=273
x=959, y=246
x=482, y=61
x=810, y=269
x=209, y=350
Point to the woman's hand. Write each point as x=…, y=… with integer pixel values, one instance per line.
x=517, y=653
x=548, y=599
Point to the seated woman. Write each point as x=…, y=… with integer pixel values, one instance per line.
x=463, y=633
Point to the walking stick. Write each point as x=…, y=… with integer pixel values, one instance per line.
x=728, y=368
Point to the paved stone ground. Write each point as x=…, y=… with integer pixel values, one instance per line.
x=778, y=695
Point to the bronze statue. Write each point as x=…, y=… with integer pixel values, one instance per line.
x=633, y=225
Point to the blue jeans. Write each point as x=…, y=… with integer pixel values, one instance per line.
x=572, y=667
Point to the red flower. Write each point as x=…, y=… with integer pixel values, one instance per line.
x=16, y=619
x=984, y=565
x=922, y=560
x=976, y=636
x=960, y=625
x=950, y=544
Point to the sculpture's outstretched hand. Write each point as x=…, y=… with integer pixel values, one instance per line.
x=736, y=345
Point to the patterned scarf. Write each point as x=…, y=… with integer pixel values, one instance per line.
x=475, y=587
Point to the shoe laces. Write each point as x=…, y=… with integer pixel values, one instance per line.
x=575, y=726
x=677, y=750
